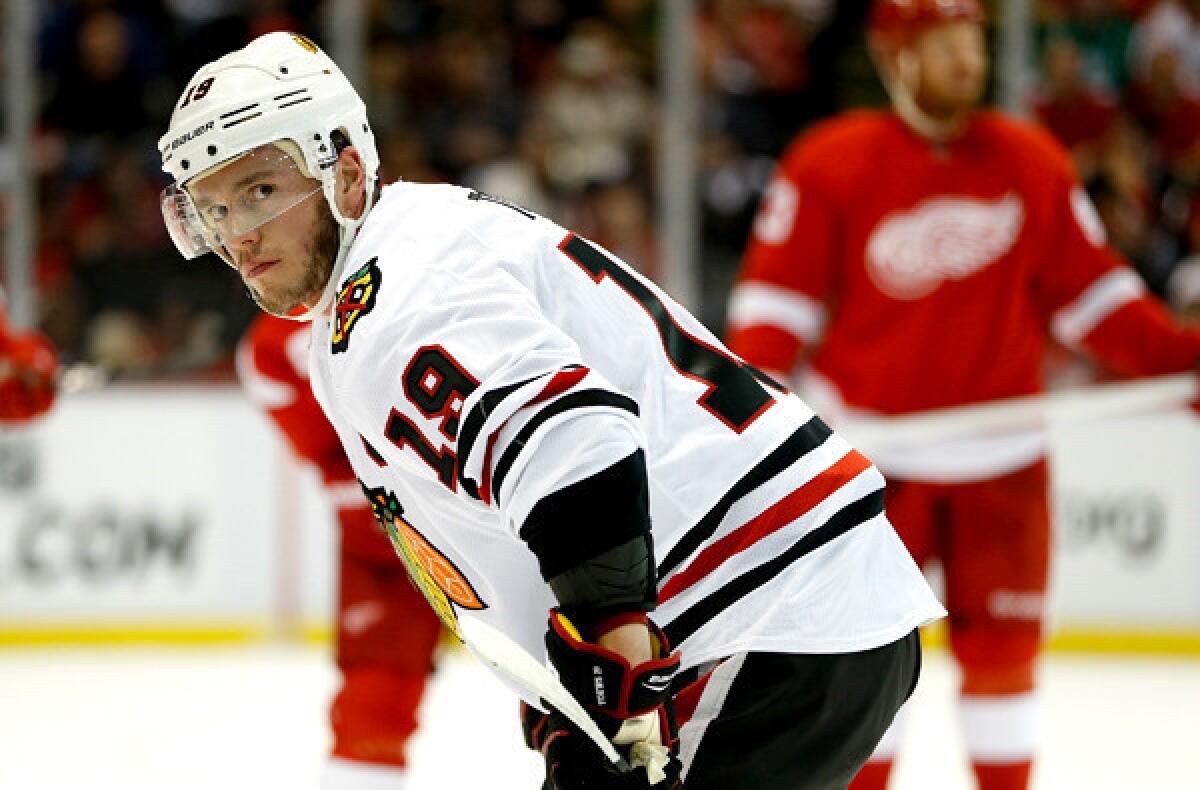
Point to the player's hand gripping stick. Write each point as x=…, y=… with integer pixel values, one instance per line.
x=631, y=705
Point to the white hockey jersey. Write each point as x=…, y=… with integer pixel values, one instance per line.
x=480, y=357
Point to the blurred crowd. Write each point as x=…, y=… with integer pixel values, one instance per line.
x=553, y=104
x=1120, y=87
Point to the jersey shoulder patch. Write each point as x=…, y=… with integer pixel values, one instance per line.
x=356, y=297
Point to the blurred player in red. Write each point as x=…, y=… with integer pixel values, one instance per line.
x=921, y=258
x=28, y=366
x=386, y=632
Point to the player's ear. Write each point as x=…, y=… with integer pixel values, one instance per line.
x=350, y=186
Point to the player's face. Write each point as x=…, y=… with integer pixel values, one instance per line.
x=952, y=60
x=274, y=226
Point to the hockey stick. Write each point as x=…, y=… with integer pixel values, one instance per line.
x=1031, y=412
x=495, y=649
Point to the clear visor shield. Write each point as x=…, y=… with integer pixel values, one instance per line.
x=219, y=207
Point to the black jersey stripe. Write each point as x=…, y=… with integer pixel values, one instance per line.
x=574, y=400
x=846, y=519
x=475, y=420
x=473, y=424
x=807, y=438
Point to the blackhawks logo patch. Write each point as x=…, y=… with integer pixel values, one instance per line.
x=355, y=299
x=438, y=579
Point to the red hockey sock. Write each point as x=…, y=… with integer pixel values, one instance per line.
x=1003, y=776
x=374, y=714
x=873, y=776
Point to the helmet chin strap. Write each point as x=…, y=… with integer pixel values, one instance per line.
x=905, y=105
x=347, y=232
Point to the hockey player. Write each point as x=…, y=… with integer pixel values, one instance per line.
x=386, y=634
x=28, y=367
x=918, y=259
x=540, y=429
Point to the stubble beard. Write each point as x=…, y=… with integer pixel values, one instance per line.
x=954, y=101
x=318, y=268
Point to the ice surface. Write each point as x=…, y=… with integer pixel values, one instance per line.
x=197, y=719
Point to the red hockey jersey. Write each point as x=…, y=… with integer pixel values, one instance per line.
x=272, y=366
x=28, y=368
x=921, y=275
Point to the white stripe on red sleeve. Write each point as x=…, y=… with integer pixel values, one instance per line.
x=267, y=392
x=1072, y=322
x=346, y=493
x=756, y=303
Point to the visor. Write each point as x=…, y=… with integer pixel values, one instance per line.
x=214, y=209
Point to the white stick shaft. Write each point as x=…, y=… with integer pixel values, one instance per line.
x=502, y=654
x=1032, y=412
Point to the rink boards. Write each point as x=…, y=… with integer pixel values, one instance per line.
x=176, y=514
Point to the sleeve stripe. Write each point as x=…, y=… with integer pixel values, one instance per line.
x=756, y=303
x=560, y=383
x=1072, y=323
x=471, y=426
x=344, y=494
x=268, y=393
x=575, y=400
x=468, y=434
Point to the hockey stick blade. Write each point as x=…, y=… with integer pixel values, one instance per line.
x=494, y=648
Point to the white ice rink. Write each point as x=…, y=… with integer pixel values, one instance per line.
x=231, y=718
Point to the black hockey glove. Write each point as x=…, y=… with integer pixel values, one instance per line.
x=631, y=705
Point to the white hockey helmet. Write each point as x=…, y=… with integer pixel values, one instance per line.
x=279, y=89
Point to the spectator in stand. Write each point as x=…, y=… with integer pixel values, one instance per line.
x=98, y=89
x=596, y=113
x=1127, y=223
x=1168, y=105
x=1079, y=115
x=1183, y=283
x=389, y=73
x=1101, y=29
x=616, y=217
x=522, y=176
x=1169, y=110
x=1168, y=25
x=924, y=257
x=471, y=115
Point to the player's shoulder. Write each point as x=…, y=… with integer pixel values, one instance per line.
x=1027, y=142
x=430, y=249
x=445, y=226
x=416, y=233
x=836, y=147
x=267, y=331
x=848, y=132
x=411, y=213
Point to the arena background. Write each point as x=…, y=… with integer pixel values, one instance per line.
x=154, y=506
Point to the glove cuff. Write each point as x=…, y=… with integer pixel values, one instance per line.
x=604, y=681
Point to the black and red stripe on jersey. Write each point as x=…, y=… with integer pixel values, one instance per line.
x=801, y=514
x=485, y=460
